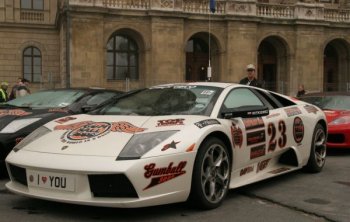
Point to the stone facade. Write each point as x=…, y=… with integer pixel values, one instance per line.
x=22, y=28
x=290, y=42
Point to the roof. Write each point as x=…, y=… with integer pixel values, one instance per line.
x=87, y=89
x=333, y=93
x=214, y=84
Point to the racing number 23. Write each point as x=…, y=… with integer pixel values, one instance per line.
x=282, y=140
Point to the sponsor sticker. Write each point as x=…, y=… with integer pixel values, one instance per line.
x=88, y=130
x=253, y=123
x=65, y=119
x=310, y=109
x=257, y=151
x=14, y=112
x=298, y=129
x=170, y=145
x=259, y=112
x=170, y=122
x=207, y=122
x=272, y=115
x=207, y=92
x=161, y=175
x=256, y=137
x=184, y=87
x=262, y=165
x=279, y=170
x=293, y=111
x=246, y=170
x=237, y=135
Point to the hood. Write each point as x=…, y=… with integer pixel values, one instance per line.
x=102, y=135
x=334, y=114
x=9, y=115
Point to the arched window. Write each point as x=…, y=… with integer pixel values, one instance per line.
x=122, y=58
x=32, y=64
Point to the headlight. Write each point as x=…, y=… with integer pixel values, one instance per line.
x=140, y=144
x=41, y=131
x=341, y=120
x=16, y=125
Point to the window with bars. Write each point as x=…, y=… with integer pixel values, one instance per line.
x=32, y=4
x=122, y=58
x=32, y=64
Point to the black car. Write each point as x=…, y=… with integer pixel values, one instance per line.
x=21, y=116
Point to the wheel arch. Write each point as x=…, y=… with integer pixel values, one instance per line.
x=224, y=138
x=323, y=124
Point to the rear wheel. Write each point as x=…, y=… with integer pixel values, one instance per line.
x=317, y=157
x=211, y=174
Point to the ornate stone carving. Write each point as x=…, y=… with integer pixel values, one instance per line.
x=167, y=4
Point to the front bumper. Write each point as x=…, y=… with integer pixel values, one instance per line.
x=146, y=182
x=338, y=136
x=7, y=142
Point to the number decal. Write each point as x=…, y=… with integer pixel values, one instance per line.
x=282, y=140
x=271, y=130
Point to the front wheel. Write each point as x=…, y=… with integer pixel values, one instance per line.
x=211, y=174
x=317, y=157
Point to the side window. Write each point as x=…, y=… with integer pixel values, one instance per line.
x=241, y=97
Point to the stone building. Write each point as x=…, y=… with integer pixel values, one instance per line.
x=126, y=44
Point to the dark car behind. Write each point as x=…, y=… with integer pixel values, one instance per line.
x=21, y=116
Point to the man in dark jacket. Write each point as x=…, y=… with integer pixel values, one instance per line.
x=250, y=79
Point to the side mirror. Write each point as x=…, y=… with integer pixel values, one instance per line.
x=245, y=112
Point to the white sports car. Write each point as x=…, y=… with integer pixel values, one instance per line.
x=169, y=143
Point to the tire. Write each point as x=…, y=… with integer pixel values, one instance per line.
x=211, y=175
x=317, y=157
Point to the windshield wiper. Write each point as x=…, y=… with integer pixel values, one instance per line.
x=13, y=106
x=7, y=105
x=25, y=107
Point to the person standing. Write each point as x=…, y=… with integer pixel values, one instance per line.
x=250, y=80
x=14, y=89
x=301, y=90
x=3, y=92
x=23, y=88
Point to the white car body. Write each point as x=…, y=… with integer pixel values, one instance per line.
x=78, y=160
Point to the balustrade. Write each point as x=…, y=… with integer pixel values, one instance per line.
x=275, y=11
x=224, y=7
x=32, y=16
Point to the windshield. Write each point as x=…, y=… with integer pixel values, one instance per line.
x=169, y=100
x=47, y=99
x=338, y=102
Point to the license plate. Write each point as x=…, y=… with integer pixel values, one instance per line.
x=50, y=180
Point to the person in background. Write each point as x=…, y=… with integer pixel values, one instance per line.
x=301, y=90
x=3, y=92
x=14, y=89
x=23, y=88
x=250, y=80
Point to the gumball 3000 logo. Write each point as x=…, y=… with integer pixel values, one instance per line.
x=89, y=130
